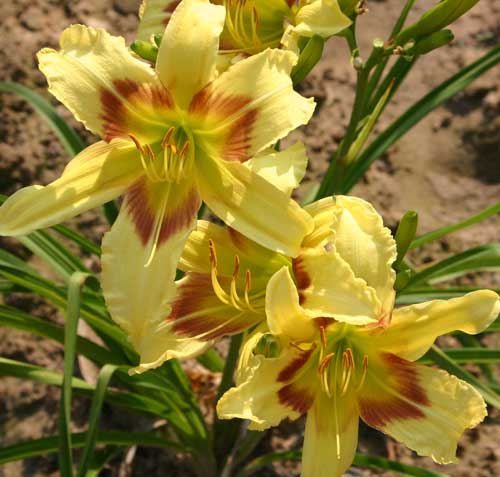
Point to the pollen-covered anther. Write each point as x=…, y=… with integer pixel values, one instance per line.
x=348, y=369
x=177, y=154
x=232, y=298
x=364, y=369
x=323, y=371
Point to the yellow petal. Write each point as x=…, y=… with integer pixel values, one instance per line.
x=328, y=288
x=284, y=314
x=262, y=395
x=98, y=174
x=154, y=17
x=322, y=212
x=239, y=197
x=321, y=17
x=139, y=260
x=96, y=77
x=228, y=244
x=284, y=169
x=188, y=51
x=269, y=105
x=414, y=328
x=425, y=408
x=331, y=436
x=360, y=238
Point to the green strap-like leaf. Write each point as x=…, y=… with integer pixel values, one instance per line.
x=437, y=234
x=33, y=448
x=420, y=295
x=75, y=285
x=95, y=414
x=484, y=257
x=477, y=355
x=66, y=134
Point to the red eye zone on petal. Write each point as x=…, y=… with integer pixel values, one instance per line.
x=302, y=278
x=144, y=209
x=235, y=114
x=399, y=397
x=125, y=108
x=295, y=397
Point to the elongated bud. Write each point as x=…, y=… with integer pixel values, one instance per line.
x=348, y=6
x=309, y=56
x=145, y=50
x=435, y=19
x=432, y=42
x=268, y=345
x=405, y=235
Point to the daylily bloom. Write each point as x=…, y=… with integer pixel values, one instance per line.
x=336, y=370
x=173, y=136
x=252, y=26
x=223, y=290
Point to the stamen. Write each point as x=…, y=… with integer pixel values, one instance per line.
x=167, y=137
x=364, y=369
x=348, y=370
x=218, y=290
x=322, y=331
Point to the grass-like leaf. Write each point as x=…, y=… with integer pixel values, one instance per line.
x=95, y=413
x=66, y=134
x=476, y=355
x=441, y=232
x=48, y=445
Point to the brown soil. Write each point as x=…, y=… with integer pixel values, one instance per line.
x=446, y=168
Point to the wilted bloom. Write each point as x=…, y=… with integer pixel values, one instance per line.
x=252, y=26
x=173, y=136
x=307, y=360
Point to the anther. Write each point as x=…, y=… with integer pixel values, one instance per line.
x=167, y=137
x=213, y=253
x=137, y=143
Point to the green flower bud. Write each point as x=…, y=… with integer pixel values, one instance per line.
x=435, y=19
x=268, y=345
x=405, y=235
x=432, y=42
x=309, y=56
x=145, y=50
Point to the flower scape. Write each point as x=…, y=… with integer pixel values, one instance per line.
x=310, y=288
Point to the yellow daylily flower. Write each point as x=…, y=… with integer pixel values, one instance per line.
x=252, y=26
x=154, y=16
x=174, y=135
x=338, y=371
x=224, y=288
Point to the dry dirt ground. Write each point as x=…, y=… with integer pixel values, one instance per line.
x=446, y=168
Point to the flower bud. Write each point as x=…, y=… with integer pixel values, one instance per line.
x=145, y=50
x=435, y=19
x=268, y=345
x=404, y=235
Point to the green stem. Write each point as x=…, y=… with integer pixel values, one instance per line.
x=377, y=74
x=225, y=431
x=334, y=174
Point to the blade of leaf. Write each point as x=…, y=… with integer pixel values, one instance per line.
x=75, y=285
x=66, y=134
x=484, y=257
x=419, y=295
x=437, y=234
x=476, y=355
x=95, y=413
x=47, y=445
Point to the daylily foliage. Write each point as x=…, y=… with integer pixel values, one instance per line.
x=311, y=288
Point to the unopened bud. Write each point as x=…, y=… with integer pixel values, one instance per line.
x=358, y=63
x=309, y=57
x=405, y=235
x=145, y=50
x=434, y=41
x=268, y=346
x=402, y=279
